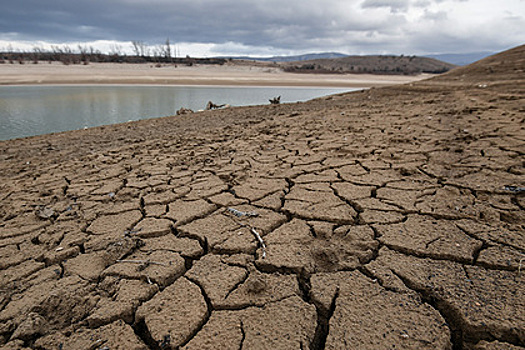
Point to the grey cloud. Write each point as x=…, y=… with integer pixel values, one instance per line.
x=435, y=16
x=269, y=23
x=293, y=25
x=394, y=5
x=422, y=3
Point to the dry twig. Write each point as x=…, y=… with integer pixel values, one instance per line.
x=128, y=233
x=97, y=344
x=239, y=213
x=261, y=242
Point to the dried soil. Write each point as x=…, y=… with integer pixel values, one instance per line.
x=391, y=218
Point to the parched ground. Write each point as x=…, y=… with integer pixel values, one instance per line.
x=391, y=218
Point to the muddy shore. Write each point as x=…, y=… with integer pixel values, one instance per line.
x=391, y=218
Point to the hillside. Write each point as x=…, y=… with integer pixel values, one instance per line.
x=305, y=57
x=407, y=65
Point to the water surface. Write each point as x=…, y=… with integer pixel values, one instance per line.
x=37, y=110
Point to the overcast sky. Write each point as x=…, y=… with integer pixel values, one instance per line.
x=268, y=27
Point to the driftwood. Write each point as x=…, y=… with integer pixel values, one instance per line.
x=210, y=105
x=183, y=111
x=275, y=100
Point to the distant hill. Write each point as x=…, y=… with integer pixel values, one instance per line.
x=461, y=59
x=458, y=59
x=396, y=65
x=506, y=65
x=305, y=57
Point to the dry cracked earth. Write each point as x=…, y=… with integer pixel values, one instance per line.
x=391, y=218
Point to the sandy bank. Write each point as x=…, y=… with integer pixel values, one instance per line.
x=111, y=73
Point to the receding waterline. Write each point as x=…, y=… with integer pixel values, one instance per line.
x=28, y=110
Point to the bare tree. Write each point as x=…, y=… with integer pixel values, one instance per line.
x=135, y=45
x=115, y=50
x=10, y=53
x=37, y=52
x=156, y=54
x=138, y=47
x=83, y=54
x=95, y=55
x=21, y=58
x=63, y=54
x=167, y=50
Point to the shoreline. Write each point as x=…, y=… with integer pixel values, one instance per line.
x=232, y=86
x=255, y=86
x=226, y=75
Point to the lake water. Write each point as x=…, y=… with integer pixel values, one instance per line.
x=35, y=110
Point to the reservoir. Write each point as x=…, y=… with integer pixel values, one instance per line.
x=36, y=110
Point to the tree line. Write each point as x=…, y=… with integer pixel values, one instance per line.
x=83, y=54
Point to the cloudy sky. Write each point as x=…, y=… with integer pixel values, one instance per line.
x=267, y=27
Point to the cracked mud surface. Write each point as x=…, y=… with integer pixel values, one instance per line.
x=384, y=214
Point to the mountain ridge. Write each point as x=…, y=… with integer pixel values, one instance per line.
x=304, y=57
x=459, y=59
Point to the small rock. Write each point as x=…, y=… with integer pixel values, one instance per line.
x=45, y=213
x=256, y=284
x=33, y=325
